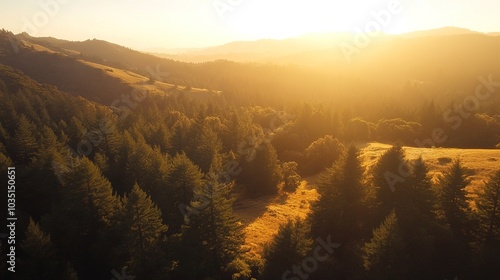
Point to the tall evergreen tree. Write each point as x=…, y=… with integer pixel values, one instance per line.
x=144, y=235
x=453, y=200
x=262, y=174
x=289, y=247
x=340, y=210
x=41, y=261
x=24, y=143
x=213, y=238
x=183, y=179
x=385, y=255
x=80, y=222
x=389, y=183
x=488, y=208
x=421, y=195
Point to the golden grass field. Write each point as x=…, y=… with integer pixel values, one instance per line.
x=262, y=217
x=480, y=163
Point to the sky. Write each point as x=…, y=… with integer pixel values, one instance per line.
x=148, y=24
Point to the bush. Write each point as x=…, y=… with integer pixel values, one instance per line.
x=322, y=153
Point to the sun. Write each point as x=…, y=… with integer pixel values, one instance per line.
x=282, y=19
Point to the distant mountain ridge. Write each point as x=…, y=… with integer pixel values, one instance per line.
x=276, y=51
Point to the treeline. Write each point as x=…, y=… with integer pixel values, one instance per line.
x=150, y=187
x=392, y=222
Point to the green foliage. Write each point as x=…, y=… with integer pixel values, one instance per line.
x=261, y=175
x=453, y=199
x=87, y=209
x=385, y=256
x=340, y=210
x=488, y=208
x=212, y=240
x=358, y=130
x=398, y=130
x=24, y=143
x=203, y=145
x=144, y=234
x=183, y=180
x=41, y=260
x=322, y=153
x=289, y=247
x=389, y=185
x=290, y=176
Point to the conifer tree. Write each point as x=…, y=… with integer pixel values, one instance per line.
x=203, y=146
x=212, y=240
x=389, y=182
x=80, y=222
x=262, y=174
x=421, y=195
x=24, y=144
x=488, y=207
x=385, y=255
x=144, y=235
x=183, y=179
x=488, y=210
x=340, y=209
x=453, y=199
x=289, y=247
x=41, y=260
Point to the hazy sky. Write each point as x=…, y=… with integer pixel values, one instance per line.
x=143, y=24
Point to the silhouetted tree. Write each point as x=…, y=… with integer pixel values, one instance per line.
x=385, y=255
x=288, y=248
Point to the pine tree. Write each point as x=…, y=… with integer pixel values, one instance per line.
x=421, y=195
x=203, y=145
x=341, y=212
x=340, y=209
x=389, y=181
x=144, y=234
x=290, y=176
x=213, y=238
x=453, y=199
x=262, y=174
x=80, y=223
x=488, y=207
x=183, y=179
x=24, y=144
x=41, y=261
x=385, y=255
x=289, y=247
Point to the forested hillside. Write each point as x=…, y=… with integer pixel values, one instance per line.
x=140, y=169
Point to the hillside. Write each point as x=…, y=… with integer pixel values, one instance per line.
x=481, y=163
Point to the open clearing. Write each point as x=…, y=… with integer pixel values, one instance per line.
x=263, y=216
x=480, y=163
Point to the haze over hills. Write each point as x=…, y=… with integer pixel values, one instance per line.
x=284, y=51
x=230, y=170
x=440, y=61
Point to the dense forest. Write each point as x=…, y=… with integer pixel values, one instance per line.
x=149, y=185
